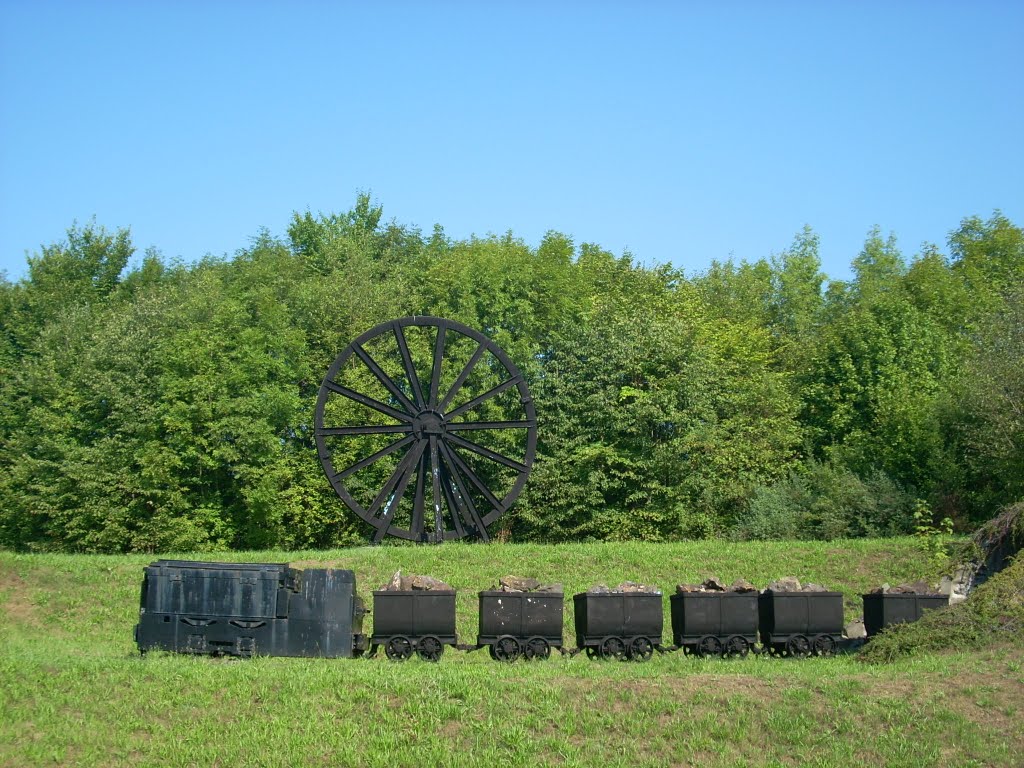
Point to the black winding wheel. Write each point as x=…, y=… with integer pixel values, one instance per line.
x=426, y=429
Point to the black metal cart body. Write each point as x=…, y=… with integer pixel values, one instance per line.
x=801, y=623
x=883, y=610
x=715, y=623
x=520, y=624
x=619, y=625
x=413, y=621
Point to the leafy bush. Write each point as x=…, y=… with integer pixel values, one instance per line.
x=826, y=501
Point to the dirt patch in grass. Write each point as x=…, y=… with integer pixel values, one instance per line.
x=17, y=606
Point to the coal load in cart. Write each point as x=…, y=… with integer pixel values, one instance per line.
x=413, y=614
x=883, y=609
x=714, y=622
x=243, y=609
x=801, y=621
x=522, y=619
x=619, y=624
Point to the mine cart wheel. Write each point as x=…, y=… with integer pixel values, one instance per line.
x=537, y=648
x=426, y=429
x=592, y=652
x=709, y=645
x=398, y=648
x=430, y=649
x=737, y=646
x=798, y=646
x=506, y=649
x=641, y=649
x=824, y=645
x=613, y=648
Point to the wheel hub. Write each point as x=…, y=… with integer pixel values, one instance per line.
x=428, y=422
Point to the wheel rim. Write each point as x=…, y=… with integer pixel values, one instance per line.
x=592, y=652
x=798, y=646
x=537, y=648
x=709, y=645
x=506, y=649
x=641, y=649
x=430, y=649
x=824, y=645
x=737, y=646
x=426, y=429
x=398, y=648
x=613, y=648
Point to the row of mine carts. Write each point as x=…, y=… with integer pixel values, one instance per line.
x=272, y=609
x=612, y=625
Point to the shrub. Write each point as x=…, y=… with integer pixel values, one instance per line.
x=827, y=501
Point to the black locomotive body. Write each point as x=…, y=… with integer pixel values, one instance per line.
x=242, y=609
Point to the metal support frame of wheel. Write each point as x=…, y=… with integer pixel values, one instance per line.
x=709, y=645
x=737, y=646
x=435, y=424
x=613, y=648
x=430, y=648
x=506, y=648
x=824, y=645
x=641, y=649
x=798, y=646
x=398, y=648
x=536, y=648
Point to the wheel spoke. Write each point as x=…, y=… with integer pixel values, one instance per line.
x=462, y=377
x=411, y=459
x=454, y=507
x=417, y=504
x=371, y=429
x=435, y=480
x=467, y=425
x=377, y=405
x=472, y=517
x=435, y=372
x=487, y=453
x=485, y=396
x=386, y=451
x=465, y=469
x=386, y=380
x=385, y=492
x=410, y=369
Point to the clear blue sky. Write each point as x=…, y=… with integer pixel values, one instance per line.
x=683, y=132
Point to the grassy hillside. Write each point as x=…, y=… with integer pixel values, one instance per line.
x=73, y=690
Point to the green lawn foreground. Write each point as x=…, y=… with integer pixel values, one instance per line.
x=74, y=691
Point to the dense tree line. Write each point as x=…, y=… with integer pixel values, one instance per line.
x=165, y=406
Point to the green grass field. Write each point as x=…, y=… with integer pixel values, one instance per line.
x=74, y=690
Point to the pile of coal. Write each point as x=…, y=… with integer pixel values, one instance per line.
x=519, y=584
x=913, y=588
x=713, y=584
x=624, y=587
x=400, y=583
x=792, y=584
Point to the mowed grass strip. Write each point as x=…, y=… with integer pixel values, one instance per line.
x=73, y=690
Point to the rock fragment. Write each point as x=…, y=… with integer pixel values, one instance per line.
x=623, y=588
x=400, y=583
x=519, y=584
